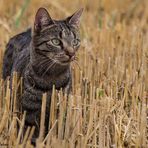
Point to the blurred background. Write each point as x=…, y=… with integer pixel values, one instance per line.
x=17, y=15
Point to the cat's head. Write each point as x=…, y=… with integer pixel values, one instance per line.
x=57, y=40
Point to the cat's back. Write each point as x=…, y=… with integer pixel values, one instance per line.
x=15, y=45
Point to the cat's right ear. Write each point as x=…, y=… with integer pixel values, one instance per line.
x=75, y=18
x=42, y=19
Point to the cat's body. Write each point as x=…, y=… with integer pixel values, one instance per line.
x=42, y=57
x=13, y=49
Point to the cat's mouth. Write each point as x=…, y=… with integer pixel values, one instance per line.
x=66, y=59
x=70, y=59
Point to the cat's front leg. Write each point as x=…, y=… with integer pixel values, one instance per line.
x=32, y=105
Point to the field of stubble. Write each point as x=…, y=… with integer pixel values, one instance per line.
x=109, y=103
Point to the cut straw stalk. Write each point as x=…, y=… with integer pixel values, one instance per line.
x=5, y=116
x=21, y=130
x=42, y=121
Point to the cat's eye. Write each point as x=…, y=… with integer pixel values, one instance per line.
x=75, y=42
x=56, y=42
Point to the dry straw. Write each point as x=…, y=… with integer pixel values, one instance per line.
x=108, y=106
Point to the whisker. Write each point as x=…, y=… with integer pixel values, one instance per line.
x=43, y=61
x=54, y=62
x=76, y=62
x=76, y=58
x=43, y=65
x=46, y=64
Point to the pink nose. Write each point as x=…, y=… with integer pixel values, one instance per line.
x=70, y=54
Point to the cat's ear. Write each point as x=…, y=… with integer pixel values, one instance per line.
x=42, y=19
x=75, y=18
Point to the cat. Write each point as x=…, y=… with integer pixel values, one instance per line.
x=42, y=57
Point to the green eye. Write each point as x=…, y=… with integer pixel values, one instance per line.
x=75, y=42
x=56, y=42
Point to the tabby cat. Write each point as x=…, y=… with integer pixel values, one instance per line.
x=42, y=56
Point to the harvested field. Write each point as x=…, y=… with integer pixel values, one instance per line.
x=108, y=106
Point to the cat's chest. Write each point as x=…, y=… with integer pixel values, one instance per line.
x=59, y=82
x=46, y=83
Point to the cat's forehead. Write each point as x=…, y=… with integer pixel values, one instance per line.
x=64, y=27
x=61, y=29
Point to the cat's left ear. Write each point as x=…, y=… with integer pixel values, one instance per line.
x=42, y=19
x=75, y=18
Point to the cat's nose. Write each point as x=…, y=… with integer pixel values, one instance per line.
x=70, y=53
